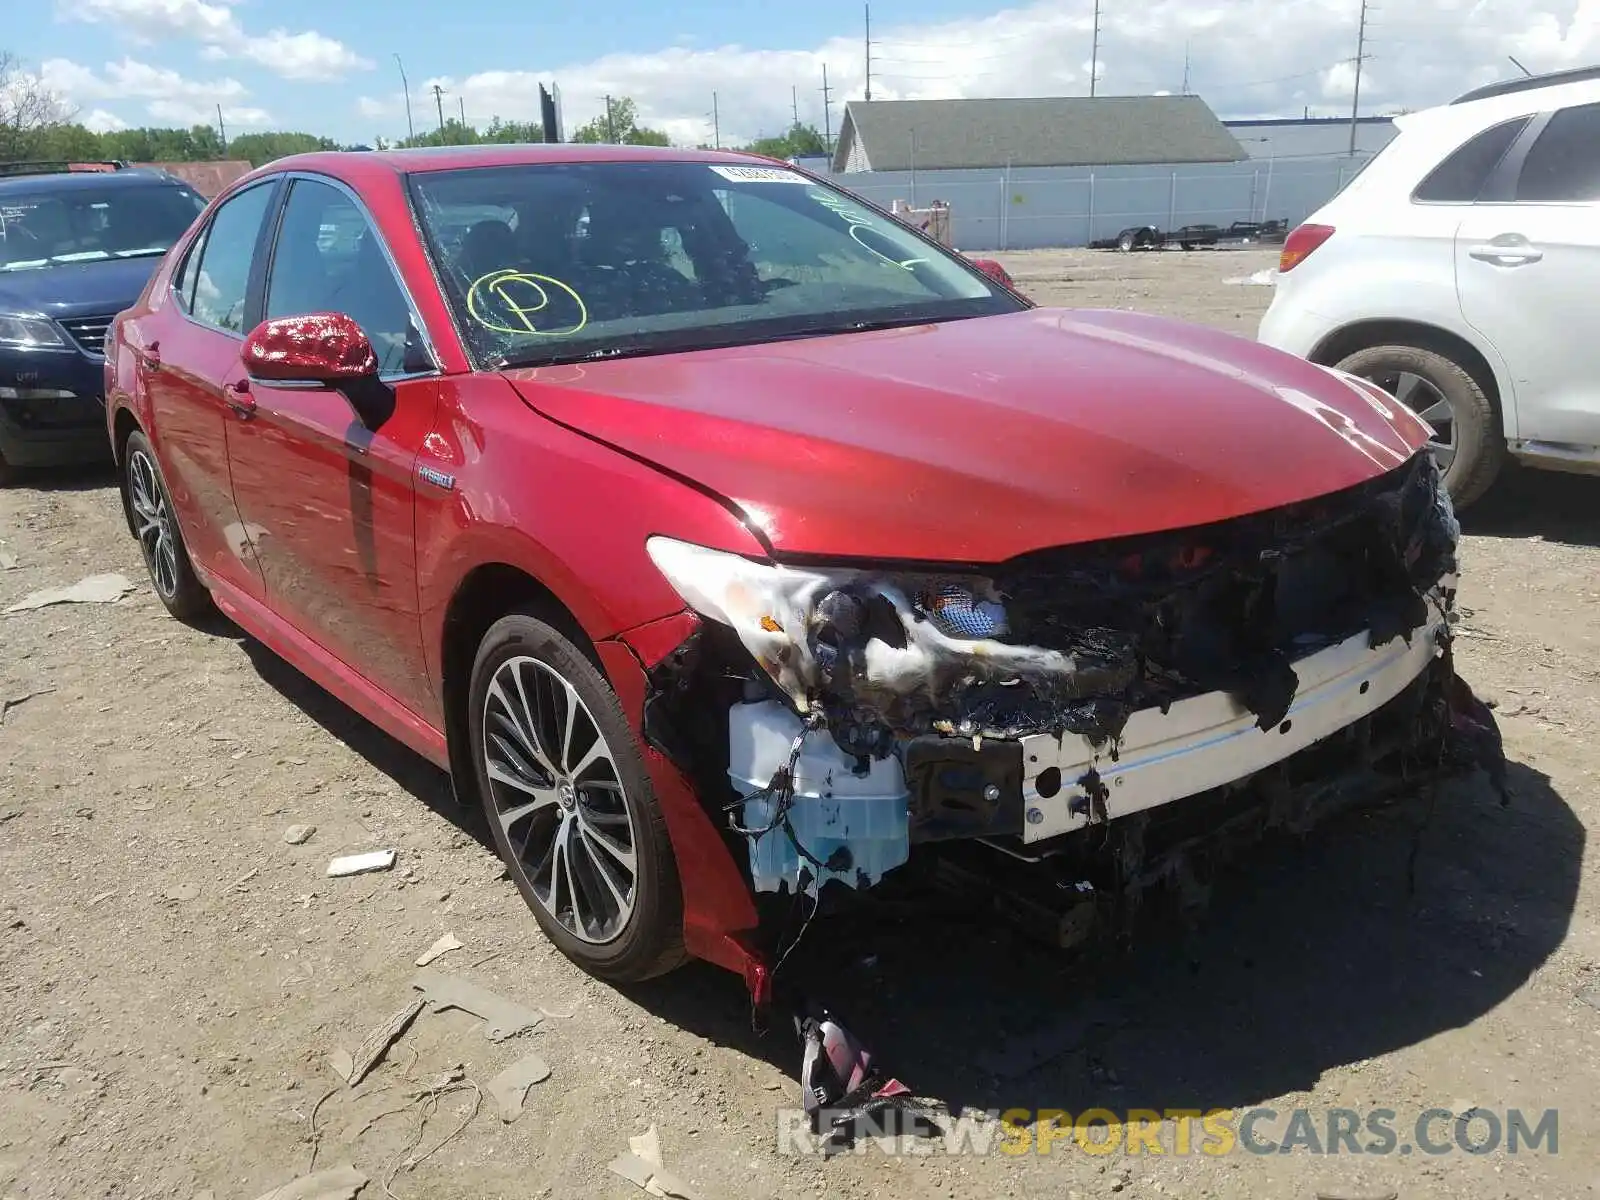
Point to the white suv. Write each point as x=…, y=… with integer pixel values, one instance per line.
x=1460, y=271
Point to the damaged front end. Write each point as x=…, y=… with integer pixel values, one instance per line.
x=838, y=716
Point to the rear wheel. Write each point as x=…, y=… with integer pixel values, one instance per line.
x=1466, y=439
x=1125, y=242
x=570, y=805
x=166, y=557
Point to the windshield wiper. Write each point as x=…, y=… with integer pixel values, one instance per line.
x=689, y=342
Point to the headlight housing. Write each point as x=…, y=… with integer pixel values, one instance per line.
x=30, y=333
x=812, y=628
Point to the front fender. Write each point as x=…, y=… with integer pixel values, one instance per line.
x=556, y=506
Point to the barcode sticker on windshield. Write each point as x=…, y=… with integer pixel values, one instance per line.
x=760, y=175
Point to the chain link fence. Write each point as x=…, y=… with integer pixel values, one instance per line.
x=1017, y=209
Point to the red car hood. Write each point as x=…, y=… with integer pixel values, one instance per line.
x=972, y=441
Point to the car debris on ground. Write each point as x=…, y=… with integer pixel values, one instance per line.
x=95, y=589
x=361, y=864
x=510, y=1088
x=444, y=945
x=353, y=1068
x=501, y=1018
x=643, y=1167
x=334, y=1183
x=7, y=703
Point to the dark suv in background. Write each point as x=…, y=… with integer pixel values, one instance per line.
x=77, y=244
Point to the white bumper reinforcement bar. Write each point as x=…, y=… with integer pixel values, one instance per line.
x=1210, y=740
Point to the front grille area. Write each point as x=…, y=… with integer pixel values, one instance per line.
x=1226, y=607
x=89, y=332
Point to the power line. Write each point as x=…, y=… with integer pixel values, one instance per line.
x=1094, y=49
x=1355, y=99
x=827, y=110
x=438, y=100
x=867, y=8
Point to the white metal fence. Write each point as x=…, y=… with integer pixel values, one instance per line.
x=1017, y=209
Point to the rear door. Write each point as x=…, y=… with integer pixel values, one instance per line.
x=1528, y=270
x=324, y=478
x=188, y=360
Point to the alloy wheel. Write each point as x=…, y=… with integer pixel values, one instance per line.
x=559, y=798
x=153, y=523
x=1427, y=402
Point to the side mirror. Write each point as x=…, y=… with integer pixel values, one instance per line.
x=315, y=348
x=995, y=272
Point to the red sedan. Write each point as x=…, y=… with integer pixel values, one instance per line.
x=726, y=539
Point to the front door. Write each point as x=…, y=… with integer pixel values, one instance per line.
x=188, y=350
x=1527, y=270
x=324, y=478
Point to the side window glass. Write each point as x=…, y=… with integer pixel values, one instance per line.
x=1459, y=178
x=329, y=259
x=224, y=274
x=183, y=281
x=1563, y=166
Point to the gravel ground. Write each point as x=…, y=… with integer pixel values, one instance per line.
x=173, y=973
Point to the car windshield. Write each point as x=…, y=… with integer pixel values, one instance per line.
x=564, y=262
x=47, y=228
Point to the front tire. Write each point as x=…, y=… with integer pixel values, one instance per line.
x=1466, y=437
x=155, y=524
x=570, y=805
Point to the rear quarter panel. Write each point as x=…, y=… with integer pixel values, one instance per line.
x=1388, y=260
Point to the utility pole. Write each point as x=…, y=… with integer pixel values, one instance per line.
x=1361, y=55
x=868, y=8
x=405, y=90
x=222, y=132
x=438, y=101
x=827, y=111
x=794, y=100
x=611, y=129
x=1094, y=49
x=461, y=105
x=1185, y=68
x=716, y=123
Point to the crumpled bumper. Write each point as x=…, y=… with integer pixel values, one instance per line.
x=1210, y=740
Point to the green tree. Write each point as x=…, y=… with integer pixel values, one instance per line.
x=70, y=143
x=513, y=133
x=29, y=111
x=264, y=147
x=619, y=126
x=799, y=139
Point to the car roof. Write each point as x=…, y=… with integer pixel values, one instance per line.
x=354, y=165
x=68, y=181
x=1529, y=83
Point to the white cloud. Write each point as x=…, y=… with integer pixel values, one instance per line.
x=134, y=80
x=169, y=97
x=300, y=56
x=1248, y=58
x=303, y=55
x=101, y=121
x=183, y=113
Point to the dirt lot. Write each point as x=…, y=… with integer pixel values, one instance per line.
x=173, y=974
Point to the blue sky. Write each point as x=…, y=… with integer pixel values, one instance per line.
x=329, y=67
